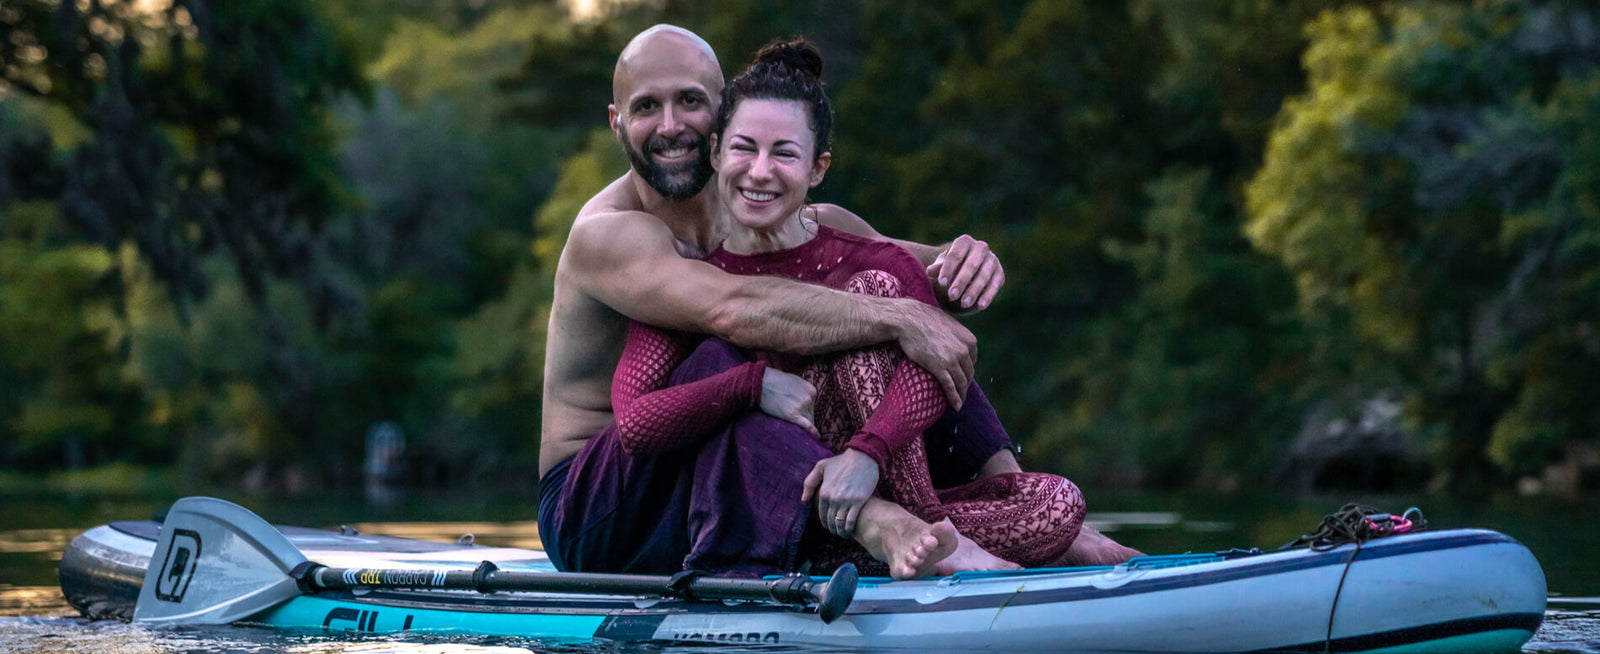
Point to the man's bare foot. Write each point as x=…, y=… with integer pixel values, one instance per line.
x=911, y=547
x=1095, y=548
x=971, y=556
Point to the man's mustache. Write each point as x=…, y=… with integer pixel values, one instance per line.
x=657, y=142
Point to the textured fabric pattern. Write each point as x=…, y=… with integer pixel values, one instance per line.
x=887, y=418
x=871, y=399
x=1028, y=518
x=872, y=391
x=654, y=418
x=913, y=401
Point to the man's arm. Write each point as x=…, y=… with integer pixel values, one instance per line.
x=841, y=218
x=627, y=260
x=965, y=274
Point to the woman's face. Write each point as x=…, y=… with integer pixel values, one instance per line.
x=765, y=162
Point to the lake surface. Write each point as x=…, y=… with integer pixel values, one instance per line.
x=35, y=529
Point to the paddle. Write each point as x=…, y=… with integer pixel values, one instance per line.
x=216, y=562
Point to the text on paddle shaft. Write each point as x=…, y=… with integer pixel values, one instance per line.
x=394, y=578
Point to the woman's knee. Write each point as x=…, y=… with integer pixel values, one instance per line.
x=1064, y=519
x=874, y=282
x=712, y=356
x=1057, y=510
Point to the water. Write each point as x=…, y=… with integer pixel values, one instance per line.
x=34, y=530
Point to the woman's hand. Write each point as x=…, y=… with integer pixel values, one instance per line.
x=842, y=484
x=788, y=397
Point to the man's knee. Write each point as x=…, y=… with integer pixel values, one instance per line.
x=964, y=443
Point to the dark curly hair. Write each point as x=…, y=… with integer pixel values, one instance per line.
x=784, y=70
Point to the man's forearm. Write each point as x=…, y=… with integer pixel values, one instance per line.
x=783, y=315
x=839, y=218
x=801, y=318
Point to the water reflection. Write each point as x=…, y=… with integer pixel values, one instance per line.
x=1566, y=631
x=33, y=601
x=523, y=534
x=35, y=541
x=78, y=636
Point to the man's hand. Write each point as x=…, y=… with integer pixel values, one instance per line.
x=842, y=484
x=966, y=276
x=788, y=397
x=940, y=345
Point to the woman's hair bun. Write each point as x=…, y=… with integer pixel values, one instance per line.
x=797, y=55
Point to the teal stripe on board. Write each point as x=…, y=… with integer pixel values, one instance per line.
x=1502, y=641
x=340, y=616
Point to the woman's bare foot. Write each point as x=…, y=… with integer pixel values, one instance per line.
x=1095, y=548
x=911, y=547
x=971, y=556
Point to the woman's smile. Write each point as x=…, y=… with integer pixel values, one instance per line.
x=758, y=196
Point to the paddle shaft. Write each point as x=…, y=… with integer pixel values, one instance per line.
x=246, y=566
x=487, y=578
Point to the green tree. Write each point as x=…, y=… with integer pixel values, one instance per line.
x=454, y=160
x=499, y=366
x=371, y=23
x=60, y=339
x=217, y=140
x=1100, y=149
x=174, y=135
x=1432, y=194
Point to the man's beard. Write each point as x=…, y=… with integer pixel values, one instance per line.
x=676, y=182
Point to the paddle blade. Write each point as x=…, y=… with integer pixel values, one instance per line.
x=215, y=563
x=835, y=594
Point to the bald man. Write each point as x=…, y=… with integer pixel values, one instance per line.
x=634, y=252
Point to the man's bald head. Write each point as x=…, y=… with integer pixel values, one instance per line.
x=665, y=93
x=665, y=49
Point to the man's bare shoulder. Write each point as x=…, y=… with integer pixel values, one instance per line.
x=829, y=213
x=604, y=241
x=614, y=220
x=844, y=220
x=617, y=228
x=617, y=196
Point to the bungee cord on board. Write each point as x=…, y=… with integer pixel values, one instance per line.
x=1357, y=524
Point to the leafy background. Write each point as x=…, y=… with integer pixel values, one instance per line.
x=1250, y=245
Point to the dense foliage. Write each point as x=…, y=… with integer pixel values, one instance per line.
x=235, y=235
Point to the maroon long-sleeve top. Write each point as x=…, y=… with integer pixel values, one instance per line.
x=653, y=417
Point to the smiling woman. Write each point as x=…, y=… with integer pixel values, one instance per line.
x=766, y=161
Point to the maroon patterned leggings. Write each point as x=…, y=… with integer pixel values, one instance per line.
x=1028, y=518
